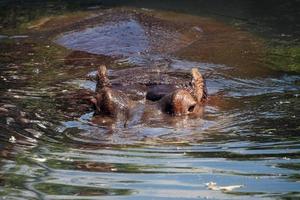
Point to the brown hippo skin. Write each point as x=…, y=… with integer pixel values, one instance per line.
x=179, y=102
x=108, y=101
x=175, y=96
x=188, y=99
x=160, y=82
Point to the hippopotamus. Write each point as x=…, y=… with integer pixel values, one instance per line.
x=175, y=94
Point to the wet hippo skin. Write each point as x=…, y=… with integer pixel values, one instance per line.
x=109, y=101
x=160, y=82
x=183, y=98
x=156, y=92
x=179, y=102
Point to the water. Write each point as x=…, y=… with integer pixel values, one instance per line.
x=52, y=148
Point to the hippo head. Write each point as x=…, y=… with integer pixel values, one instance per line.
x=172, y=99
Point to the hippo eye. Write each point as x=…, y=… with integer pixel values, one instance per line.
x=191, y=108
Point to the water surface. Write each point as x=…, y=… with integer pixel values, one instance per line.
x=51, y=148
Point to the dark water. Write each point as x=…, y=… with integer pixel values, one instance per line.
x=52, y=148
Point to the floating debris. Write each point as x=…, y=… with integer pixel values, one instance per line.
x=213, y=186
x=12, y=139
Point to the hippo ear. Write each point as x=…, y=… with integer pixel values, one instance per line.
x=197, y=76
x=198, y=84
x=102, y=71
x=103, y=80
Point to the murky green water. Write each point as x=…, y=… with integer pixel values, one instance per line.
x=52, y=148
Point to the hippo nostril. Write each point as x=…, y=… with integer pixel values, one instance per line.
x=191, y=108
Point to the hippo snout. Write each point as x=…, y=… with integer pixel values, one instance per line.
x=180, y=102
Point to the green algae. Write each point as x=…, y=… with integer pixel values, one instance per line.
x=284, y=58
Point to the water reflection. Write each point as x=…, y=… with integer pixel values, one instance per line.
x=124, y=38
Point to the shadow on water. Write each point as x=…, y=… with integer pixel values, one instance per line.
x=51, y=147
